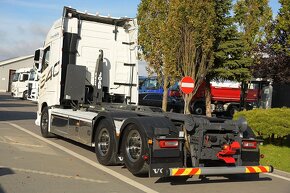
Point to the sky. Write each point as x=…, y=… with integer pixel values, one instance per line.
x=25, y=23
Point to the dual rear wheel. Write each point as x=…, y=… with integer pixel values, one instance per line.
x=133, y=147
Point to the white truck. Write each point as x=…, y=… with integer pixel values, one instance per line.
x=88, y=93
x=33, y=84
x=19, y=86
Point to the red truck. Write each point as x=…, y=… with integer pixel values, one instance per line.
x=226, y=97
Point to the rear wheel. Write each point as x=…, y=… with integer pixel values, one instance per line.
x=198, y=109
x=25, y=95
x=105, y=147
x=134, y=147
x=44, y=120
x=232, y=110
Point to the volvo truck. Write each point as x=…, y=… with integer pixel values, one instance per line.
x=19, y=87
x=32, y=87
x=88, y=92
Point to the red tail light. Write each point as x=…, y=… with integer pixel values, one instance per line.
x=249, y=144
x=168, y=143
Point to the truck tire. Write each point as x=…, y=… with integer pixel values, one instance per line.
x=44, y=123
x=232, y=110
x=105, y=146
x=24, y=95
x=198, y=109
x=133, y=149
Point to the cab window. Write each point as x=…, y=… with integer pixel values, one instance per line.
x=45, y=60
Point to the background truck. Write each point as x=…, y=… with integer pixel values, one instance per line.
x=226, y=97
x=88, y=93
x=19, y=83
x=32, y=87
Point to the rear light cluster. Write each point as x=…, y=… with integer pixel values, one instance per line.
x=249, y=144
x=168, y=143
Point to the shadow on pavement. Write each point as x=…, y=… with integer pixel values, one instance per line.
x=5, y=171
x=183, y=180
x=7, y=97
x=17, y=105
x=1, y=189
x=16, y=115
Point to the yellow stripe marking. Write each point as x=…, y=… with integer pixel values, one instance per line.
x=174, y=171
x=258, y=170
x=198, y=172
x=247, y=170
x=186, y=172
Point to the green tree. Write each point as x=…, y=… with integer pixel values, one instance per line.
x=282, y=28
x=230, y=62
x=254, y=18
x=274, y=55
x=152, y=20
x=189, y=40
x=176, y=37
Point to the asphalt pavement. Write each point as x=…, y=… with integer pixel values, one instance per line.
x=30, y=163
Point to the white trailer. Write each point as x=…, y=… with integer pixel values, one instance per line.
x=88, y=93
x=19, y=83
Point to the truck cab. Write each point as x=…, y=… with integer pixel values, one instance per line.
x=19, y=88
x=33, y=79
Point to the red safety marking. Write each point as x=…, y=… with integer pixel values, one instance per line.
x=263, y=169
x=252, y=170
x=193, y=171
x=179, y=172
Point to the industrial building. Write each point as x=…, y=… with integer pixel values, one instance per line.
x=8, y=68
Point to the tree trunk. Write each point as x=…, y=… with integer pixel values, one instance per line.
x=207, y=98
x=187, y=100
x=165, y=94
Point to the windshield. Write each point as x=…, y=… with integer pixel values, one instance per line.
x=32, y=76
x=15, y=77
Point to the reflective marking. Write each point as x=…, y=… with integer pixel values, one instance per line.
x=54, y=174
x=88, y=161
x=185, y=171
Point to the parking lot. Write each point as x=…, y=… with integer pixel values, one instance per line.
x=30, y=163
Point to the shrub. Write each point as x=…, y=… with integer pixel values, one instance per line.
x=268, y=123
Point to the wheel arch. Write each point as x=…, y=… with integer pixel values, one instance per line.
x=97, y=120
x=43, y=105
x=147, y=125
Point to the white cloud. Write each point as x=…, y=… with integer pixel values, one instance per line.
x=31, y=4
x=21, y=38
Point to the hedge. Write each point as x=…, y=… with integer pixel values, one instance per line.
x=268, y=123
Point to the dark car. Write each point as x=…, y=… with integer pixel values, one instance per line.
x=155, y=100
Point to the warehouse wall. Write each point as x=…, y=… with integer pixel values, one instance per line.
x=4, y=71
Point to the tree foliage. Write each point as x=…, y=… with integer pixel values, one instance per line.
x=274, y=55
x=176, y=37
x=282, y=28
x=190, y=38
x=253, y=17
x=230, y=61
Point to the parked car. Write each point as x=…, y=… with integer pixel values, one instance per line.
x=155, y=100
x=152, y=85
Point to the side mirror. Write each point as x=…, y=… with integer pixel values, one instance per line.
x=38, y=59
